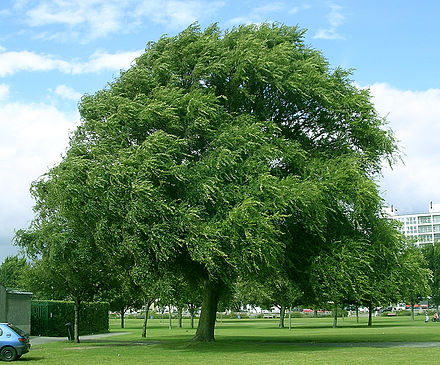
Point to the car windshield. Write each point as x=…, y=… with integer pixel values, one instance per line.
x=18, y=330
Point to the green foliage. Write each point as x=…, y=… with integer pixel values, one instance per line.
x=11, y=272
x=217, y=155
x=432, y=257
x=49, y=318
x=413, y=275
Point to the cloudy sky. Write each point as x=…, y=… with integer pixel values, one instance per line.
x=54, y=51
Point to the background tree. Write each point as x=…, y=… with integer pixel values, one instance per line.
x=64, y=261
x=220, y=153
x=431, y=254
x=12, y=270
x=413, y=276
x=340, y=274
x=122, y=296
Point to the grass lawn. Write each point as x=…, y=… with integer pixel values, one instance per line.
x=311, y=340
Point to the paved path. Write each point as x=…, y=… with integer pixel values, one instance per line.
x=39, y=340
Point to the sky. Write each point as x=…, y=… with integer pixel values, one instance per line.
x=54, y=51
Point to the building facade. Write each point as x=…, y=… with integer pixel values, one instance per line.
x=423, y=228
x=15, y=307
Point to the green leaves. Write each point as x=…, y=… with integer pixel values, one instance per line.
x=225, y=154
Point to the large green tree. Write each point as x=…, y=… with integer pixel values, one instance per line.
x=222, y=154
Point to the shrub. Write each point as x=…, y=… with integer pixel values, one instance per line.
x=49, y=318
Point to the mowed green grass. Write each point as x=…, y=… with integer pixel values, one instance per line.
x=310, y=341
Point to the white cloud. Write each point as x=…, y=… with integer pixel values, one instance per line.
x=4, y=91
x=270, y=7
x=12, y=62
x=89, y=20
x=335, y=19
x=102, y=60
x=297, y=9
x=67, y=93
x=174, y=13
x=415, y=118
x=33, y=138
x=260, y=14
x=96, y=18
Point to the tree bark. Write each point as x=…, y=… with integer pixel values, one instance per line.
x=290, y=318
x=169, y=317
x=192, y=311
x=122, y=317
x=357, y=314
x=76, y=305
x=144, y=327
x=205, y=329
x=282, y=315
x=335, y=315
x=370, y=315
x=179, y=314
x=412, y=311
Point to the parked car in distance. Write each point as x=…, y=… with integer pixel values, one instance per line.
x=13, y=342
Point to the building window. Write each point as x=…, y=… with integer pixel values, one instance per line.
x=436, y=227
x=411, y=220
x=437, y=237
x=425, y=219
x=425, y=238
x=436, y=219
x=425, y=229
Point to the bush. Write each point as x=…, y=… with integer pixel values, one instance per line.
x=49, y=318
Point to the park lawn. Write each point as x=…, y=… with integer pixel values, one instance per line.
x=254, y=342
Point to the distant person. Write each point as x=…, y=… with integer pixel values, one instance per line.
x=427, y=317
x=435, y=318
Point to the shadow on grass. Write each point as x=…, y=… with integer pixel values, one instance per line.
x=30, y=358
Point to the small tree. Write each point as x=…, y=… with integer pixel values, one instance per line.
x=432, y=257
x=12, y=270
x=64, y=264
x=413, y=276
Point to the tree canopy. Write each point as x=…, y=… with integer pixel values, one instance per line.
x=221, y=154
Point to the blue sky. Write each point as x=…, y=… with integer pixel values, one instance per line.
x=53, y=51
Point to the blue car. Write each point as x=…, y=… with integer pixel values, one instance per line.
x=13, y=342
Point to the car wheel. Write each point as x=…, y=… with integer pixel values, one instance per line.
x=8, y=353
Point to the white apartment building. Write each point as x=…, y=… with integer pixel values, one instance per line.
x=424, y=228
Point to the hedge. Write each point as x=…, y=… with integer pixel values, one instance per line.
x=49, y=317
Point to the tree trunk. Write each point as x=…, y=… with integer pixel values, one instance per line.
x=335, y=315
x=282, y=315
x=370, y=315
x=169, y=317
x=412, y=311
x=122, y=317
x=76, y=320
x=342, y=312
x=179, y=314
x=205, y=329
x=357, y=314
x=315, y=313
x=144, y=327
x=192, y=311
x=290, y=318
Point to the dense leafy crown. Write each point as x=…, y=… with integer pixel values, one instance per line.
x=217, y=152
